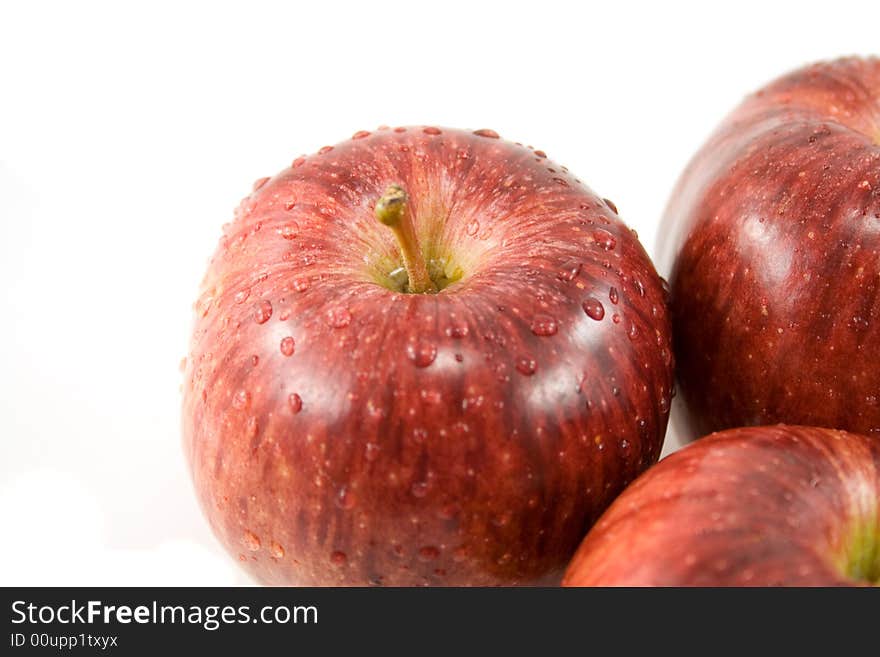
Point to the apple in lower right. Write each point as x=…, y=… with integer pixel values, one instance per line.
x=756, y=506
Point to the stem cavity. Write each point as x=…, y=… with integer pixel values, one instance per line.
x=393, y=211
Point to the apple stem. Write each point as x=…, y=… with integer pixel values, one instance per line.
x=392, y=210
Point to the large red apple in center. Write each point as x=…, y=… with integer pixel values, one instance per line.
x=451, y=398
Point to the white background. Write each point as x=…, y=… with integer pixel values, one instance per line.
x=127, y=136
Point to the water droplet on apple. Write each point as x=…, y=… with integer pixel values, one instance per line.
x=419, y=489
x=640, y=287
x=604, y=239
x=485, y=132
x=360, y=134
x=419, y=435
x=324, y=149
x=339, y=558
x=251, y=541
x=422, y=353
x=613, y=295
x=610, y=205
x=242, y=295
x=428, y=553
x=526, y=366
x=301, y=284
x=288, y=346
x=241, y=400
x=289, y=231
x=593, y=308
x=457, y=331
x=295, y=402
x=472, y=227
x=263, y=311
x=544, y=325
x=345, y=499
x=338, y=317
x=430, y=130
x=569, y=271
x=277, y=550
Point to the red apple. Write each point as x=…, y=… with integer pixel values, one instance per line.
x=450, y=399
x=755, y=506
x=773, y=240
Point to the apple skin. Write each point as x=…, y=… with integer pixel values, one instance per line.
x=754, y=506
x=772, y=238
x=468, y=437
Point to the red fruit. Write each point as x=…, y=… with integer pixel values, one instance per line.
x=469, y=435
x=773, y=240
x=758, y=506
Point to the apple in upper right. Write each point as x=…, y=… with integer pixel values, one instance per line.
x=772, y=243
